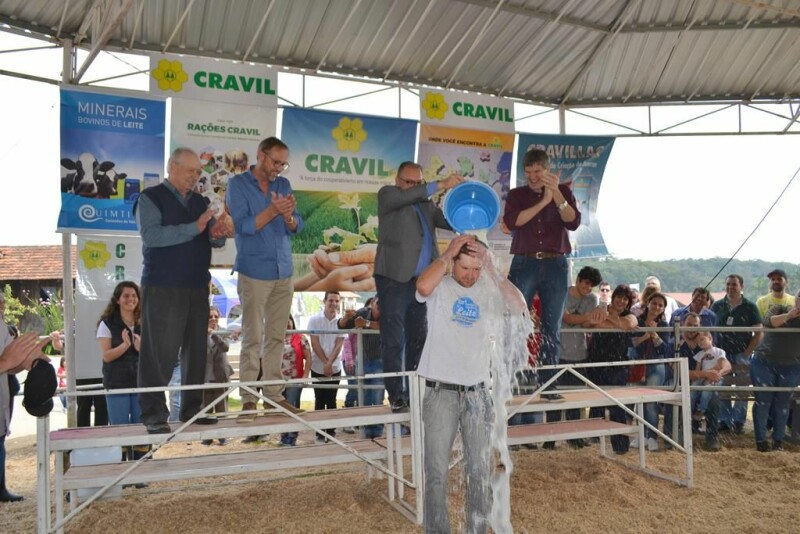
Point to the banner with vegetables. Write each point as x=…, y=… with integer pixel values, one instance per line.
x=338, y=164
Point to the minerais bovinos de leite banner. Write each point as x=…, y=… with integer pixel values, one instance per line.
x=338, y=163
x=226, y=138
x=580, y=162
x=103, y=262
x=110, y=145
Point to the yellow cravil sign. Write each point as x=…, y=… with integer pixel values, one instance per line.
x=95, y=255
x=349, y=134
x=467, y=110
x=218, y=81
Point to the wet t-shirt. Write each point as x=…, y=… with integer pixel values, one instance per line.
x=457, y=347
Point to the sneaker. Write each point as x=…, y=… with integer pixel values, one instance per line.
x=321, y=439
x=777, y=445
x=549, y=445
x=762, y=446
x=652, y=444
x=349, y=430
x=222, y=441
x=206, y=442
x=634, y=443
x=697, y=416
x=283, y=403
x=400, y=406
x=247, y=417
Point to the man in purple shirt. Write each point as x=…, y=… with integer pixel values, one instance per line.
x=265, y=216
x=539, y=215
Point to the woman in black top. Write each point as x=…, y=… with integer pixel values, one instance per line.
x=118, y=332
x=613, y=347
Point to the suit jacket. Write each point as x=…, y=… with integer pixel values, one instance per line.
x=400, y=233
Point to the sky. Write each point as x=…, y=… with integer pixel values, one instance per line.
x=662, y=197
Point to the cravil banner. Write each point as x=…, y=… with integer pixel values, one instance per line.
x=103, y=262
x=338, y=164
x=580, y=162
x=476, y=155
x=110, y=144
x=463, y=110
x=226, y=138
x=216, y=81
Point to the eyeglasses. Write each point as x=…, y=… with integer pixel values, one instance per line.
x=280, y=165
x=410, y=183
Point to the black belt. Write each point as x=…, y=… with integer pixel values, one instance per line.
x=544, y=255
x=454, y=387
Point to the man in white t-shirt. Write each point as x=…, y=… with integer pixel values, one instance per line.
x=455, y=363
x=326, y=350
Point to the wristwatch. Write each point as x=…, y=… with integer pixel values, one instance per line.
x=562, y=206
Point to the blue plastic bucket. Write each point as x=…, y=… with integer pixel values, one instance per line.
x=471, y=206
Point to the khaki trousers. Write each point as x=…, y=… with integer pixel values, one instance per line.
x=265, y=311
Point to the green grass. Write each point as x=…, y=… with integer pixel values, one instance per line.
x=321, y=211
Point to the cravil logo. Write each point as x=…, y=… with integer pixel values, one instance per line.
x=95, y=255
x=88, y=213
x=349, y=134
x=435, y=106
x=170, y=75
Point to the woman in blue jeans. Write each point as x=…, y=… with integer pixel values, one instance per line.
x=775, y=363
x=652, y=346
x=119, y=333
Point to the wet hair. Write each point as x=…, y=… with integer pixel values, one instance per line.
x=465, y=249
x=113, y=305
x=291, y=320
x=591, y=274
x=623, y=290
x=534, y=156
x=271, y=142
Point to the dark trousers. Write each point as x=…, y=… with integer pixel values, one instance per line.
x=612, y=376
x=3, y=488
x=85, y=404
x=404, y=327
x=325, y=398
x=174, y=322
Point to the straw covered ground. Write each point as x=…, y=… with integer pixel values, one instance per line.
x=564, y=490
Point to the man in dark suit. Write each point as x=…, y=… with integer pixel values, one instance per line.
x=406, y=246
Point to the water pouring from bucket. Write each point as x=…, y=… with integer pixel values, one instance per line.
x=472, y=208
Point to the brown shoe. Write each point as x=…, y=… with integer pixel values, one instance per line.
x=283, y=403
x=247, y=417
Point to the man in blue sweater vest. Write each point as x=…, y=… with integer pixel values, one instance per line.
x=178, y=230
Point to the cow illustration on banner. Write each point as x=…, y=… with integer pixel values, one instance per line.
x=112, y=146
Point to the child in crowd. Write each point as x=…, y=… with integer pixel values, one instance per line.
x=61, y=373
x=710, y=358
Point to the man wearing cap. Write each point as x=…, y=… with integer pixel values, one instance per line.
x=406, y=246
x=539, y=214
x=777, y=296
